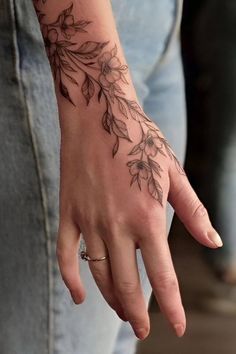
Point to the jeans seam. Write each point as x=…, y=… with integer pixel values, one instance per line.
x=39, y=174
x=173, y=35
x=174, y=31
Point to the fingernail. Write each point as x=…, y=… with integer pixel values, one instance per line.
x=141, y=333
x=215, y=238
x=179, y=329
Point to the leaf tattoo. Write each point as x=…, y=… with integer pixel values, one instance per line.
x=155, y=190
x=103, y=74
x=87, y=88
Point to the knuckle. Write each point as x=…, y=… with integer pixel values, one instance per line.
x=146, y=223
x=127, y=288
x=145, y=219
x=166, y=282
x=108, y=227
x=62, y=255
x=145, y=214
x=199, y=209
x=63, y=251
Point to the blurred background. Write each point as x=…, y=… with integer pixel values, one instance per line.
x=207, y=278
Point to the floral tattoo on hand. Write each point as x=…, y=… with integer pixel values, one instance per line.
x=103, y=74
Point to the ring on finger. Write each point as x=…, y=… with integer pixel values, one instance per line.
x=86, y=257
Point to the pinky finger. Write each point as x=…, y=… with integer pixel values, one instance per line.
x=67, y=255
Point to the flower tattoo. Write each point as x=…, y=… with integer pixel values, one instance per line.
x=103, y=73
x=50, y=40
x=111, y=69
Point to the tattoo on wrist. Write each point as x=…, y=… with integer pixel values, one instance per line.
x=103, y=74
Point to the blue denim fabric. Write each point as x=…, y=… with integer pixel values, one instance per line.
x=37, y=315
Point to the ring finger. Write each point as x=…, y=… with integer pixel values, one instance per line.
x=101, y=271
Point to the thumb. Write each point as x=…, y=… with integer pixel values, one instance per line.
x=68, y=260
x=191, y=211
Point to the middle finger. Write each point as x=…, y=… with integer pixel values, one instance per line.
x=160, y=270
x=122, y=252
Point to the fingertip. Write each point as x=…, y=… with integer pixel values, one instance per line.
x=214, y=238
x=179, y=323
x=142, y=333
x=78, y=296
x=179, y=329
x=142, y=328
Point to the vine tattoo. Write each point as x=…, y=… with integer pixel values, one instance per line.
x=103, y=74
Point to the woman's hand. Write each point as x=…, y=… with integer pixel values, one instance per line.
x=115, y=217
x=117, y=169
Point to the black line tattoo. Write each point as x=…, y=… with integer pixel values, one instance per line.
x=103, y=74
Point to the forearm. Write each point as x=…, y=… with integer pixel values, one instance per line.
x=84, y=50
x=88, y=65
x=94, y=87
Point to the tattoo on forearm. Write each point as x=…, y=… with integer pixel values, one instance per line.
x=103, y=74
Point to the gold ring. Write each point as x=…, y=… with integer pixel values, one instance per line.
x=85, y=257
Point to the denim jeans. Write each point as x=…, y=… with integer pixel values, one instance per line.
x=37, y=315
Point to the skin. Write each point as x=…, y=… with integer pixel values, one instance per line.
x=117, y=169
